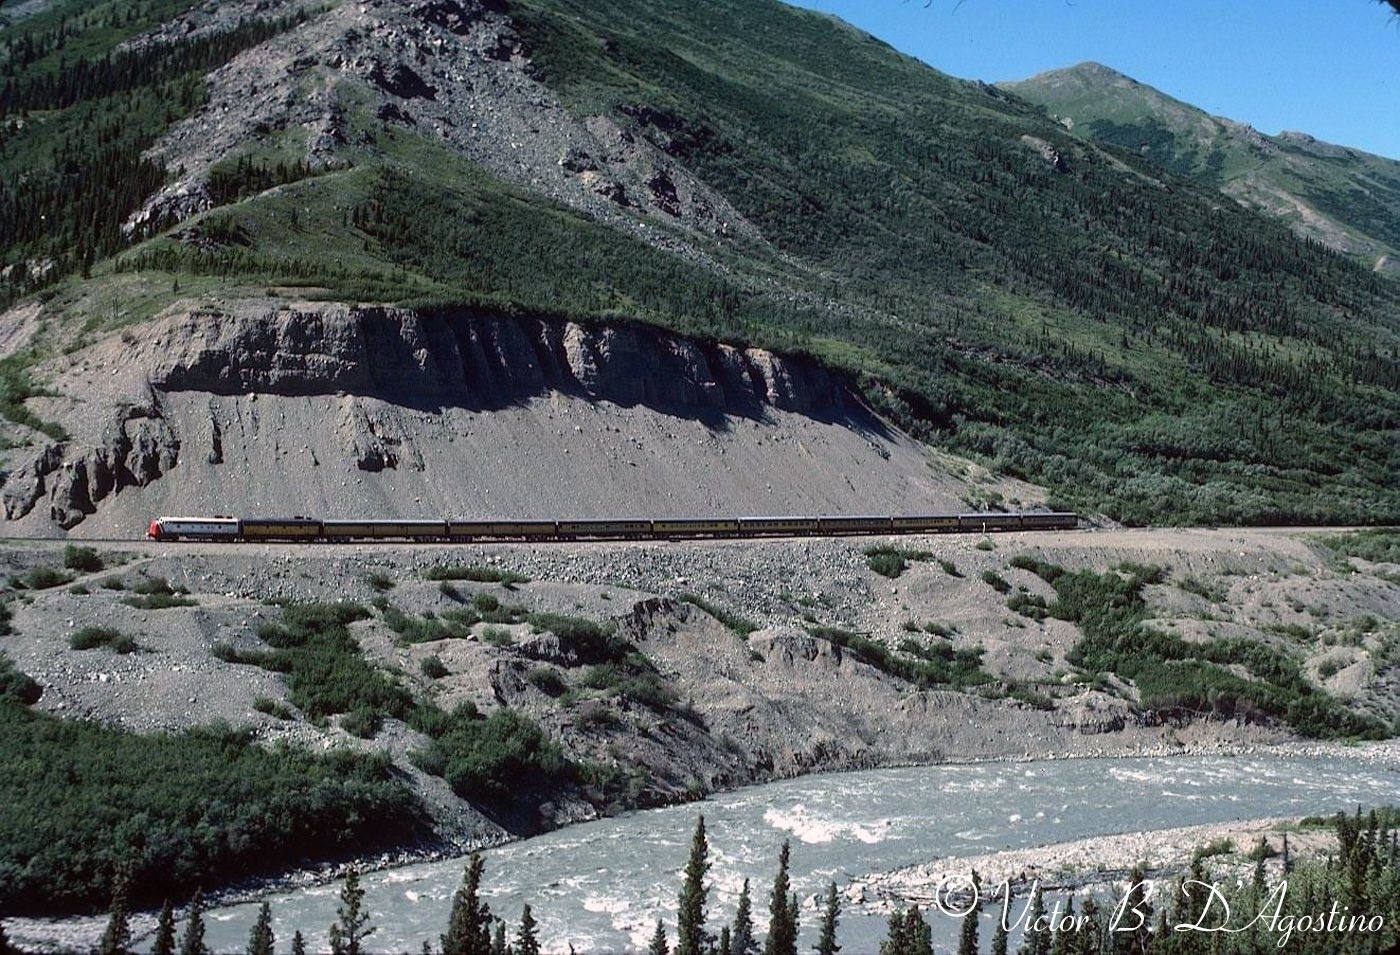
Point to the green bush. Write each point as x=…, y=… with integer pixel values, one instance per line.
x=433, y=667
x=492, y=759
x=380, y=582
x=1028, y=605
x=480, y=575
x=17, y=686
x=274, y=708
x=451, y=625
x=45, y=578
x=90, y=638
x=996, y=581
x=924, y=666
x=547, y=680
x=950, y=568
x=485, y=603
x=326, y=673
x=595, y=714
x=742, y=626
x=497, y=637
x=84, y=559
x=155, y=593
x=362, y=721
x=590, y=641
x=113, y=583
x=202, y=807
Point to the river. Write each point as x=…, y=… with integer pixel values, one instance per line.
x=600, y=886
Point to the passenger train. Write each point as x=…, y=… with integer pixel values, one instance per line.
x=314, y=530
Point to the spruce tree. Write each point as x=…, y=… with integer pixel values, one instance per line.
x=782, y=925
x=164, y=943
x=831, y=915
x=999, y=939
x=527, y=941
x=659, y=945
x=742, y=940
x=498, y=939
x=726, y=946
x=919, y=933
x=967, y=935
x=192, y=942
x=469, y=928
x=116, y=940
x=260, y=939
x=690, y=918
x=1035, y=940
x=1088, y=940
x=351, y=926
x=298, y=943
x=1062, y=937
x=896, y=936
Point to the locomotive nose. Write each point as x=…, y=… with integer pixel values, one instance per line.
x=153, y=532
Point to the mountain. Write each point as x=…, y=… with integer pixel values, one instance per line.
x=381, y=183
x=1344, y=198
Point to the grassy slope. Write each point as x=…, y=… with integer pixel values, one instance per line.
x=1124, y=338
x=1359, y=193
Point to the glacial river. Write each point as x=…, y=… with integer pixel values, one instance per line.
x=600, y=886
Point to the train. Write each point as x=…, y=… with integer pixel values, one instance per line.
x=315, y=530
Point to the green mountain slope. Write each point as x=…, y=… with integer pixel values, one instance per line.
x=1069, y=311
x=1345, y=198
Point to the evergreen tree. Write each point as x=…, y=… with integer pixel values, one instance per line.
x=5, y=947
x=658, y=944
x=690, y=918
x=742, y=940
x=831, y=915
x=999, y=938
x=351, y=926
x=726, y=946
x=192, y=942
x=782, y=910
x=920, y=934
x=527, y=940
x=1061, y=937
x=117, y=938
x=260, y=939
x=1137, y=941
x=164, y=943
x=896, y=936
x=298, y=943
x=967, y=935
x=469, y=928
x=499, y=946
x=1035, y=940
x=1088, y=940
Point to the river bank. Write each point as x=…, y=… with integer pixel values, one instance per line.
x=862, y=829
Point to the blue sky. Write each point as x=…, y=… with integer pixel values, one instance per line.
x=1326, y=67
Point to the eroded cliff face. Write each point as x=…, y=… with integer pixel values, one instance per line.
x=479, y=362
x=341, y=410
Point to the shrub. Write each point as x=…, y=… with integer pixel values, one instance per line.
x=155, y=593
x=181, y=809
x=930, y=666
x=985, y=544
x=485, y=603
x=17, y=686
x=450, y=592
x=742, y=626
x=90, y=638
x=433, y=667
x=950, y=568
x=78, y=590
x=113, y=583
x=362, y=721
x=887, y=565
x=380, y=582
x=1028, y=605
x=595, y=714
x=84, y=559
x=590, y=641
x=274, y=708
x=44, y=578
x=491, y=759
x=497, y=637
x=996, y=581
x=547, y=680
x=480, y=575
